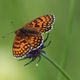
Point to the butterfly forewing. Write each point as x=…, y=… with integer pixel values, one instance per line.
x=41, y=24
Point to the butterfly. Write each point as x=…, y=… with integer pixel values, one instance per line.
x=29, y=39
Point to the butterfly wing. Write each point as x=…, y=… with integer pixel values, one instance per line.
x=41, y=24
x=35, y=41
x=21, y=46
x=25, y=42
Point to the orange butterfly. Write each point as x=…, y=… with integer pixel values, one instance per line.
x=29, y=38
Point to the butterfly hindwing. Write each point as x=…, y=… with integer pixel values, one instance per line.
x=25, y=41
x=36, y=41
x=21, y=46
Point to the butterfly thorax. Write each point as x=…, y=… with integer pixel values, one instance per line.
x=25, y=32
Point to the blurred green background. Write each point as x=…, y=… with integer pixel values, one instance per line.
x=65, y=37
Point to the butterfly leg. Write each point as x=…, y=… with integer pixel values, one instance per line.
x=46, y=38
x=47, y=44
x=30, y=61
x=42, y=51
x=39, y=59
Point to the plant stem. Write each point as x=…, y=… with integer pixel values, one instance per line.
x=57, y=66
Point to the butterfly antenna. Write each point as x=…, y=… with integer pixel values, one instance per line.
x=12, y=24
x=7, y=34
x=39, y=59
x=30, y=61
x=4, y=36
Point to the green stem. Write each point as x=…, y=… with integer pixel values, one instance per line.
x=57, y=66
